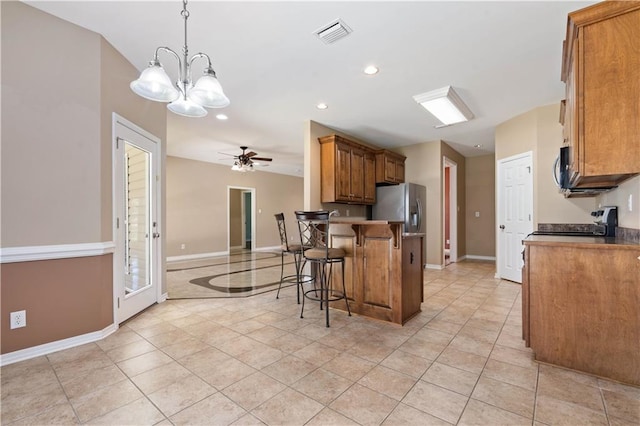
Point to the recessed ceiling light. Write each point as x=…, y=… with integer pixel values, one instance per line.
x=371, y=70
x=478, y=146
x=322, y=105
x=222, y=117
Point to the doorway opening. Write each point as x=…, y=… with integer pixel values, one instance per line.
x=241, y=218
x=450, y=211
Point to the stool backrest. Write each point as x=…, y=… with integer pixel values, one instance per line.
x=314, y=229
x=282, y=229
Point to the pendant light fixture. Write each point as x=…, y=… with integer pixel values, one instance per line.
x=185, y=98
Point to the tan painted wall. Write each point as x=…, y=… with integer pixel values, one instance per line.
x=235, y=218
x=197, y=205
x=539, y=131
x=460, y=161
x=480, y=190
x=620, y=197
x=56, y=169
x=63, y=298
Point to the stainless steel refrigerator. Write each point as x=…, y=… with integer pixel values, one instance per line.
x=404, y=202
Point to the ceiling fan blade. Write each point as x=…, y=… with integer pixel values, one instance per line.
x=230, y=155
x=250, y=154
x=262, y=159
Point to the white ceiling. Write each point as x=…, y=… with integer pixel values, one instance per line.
x=503, y=59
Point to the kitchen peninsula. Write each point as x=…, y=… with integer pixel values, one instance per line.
x=383, y=268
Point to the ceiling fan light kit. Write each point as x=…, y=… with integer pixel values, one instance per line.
x=185, y=98
x=246, y=161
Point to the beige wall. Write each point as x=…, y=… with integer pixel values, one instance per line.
x=56, y=169
x=540, y=132
x=480, y=190
x=197, y=205
x=620, y=197
x=461, y=192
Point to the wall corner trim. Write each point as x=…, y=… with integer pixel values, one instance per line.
x=61, y=251
x=47, y=348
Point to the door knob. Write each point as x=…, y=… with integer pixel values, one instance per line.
x=501, y=226
x=156, y=235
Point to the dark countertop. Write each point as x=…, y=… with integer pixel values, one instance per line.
x=584, y=242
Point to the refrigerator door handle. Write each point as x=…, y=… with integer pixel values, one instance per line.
x=419, y=214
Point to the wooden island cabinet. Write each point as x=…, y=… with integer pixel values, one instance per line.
x=383, y=269
x=581, y=304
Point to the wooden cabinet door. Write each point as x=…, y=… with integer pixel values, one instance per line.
x=369, y=178
x=357, y=175
x=343, y=173
x=399, y=176
x=411, y=277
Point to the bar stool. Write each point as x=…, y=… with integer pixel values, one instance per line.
x=314, y=241
x=294, y=249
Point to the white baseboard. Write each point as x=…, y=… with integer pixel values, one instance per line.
x=47, y=348
x=196, y=256
x=59, y=251
x=274, y=248
x=163, y=297
x=433, y=266
x=474, y=257
x=236, y=247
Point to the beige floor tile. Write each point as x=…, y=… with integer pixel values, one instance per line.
x=246, y=326
x=503, y=395
x=558, y=384
x=363, y=405
x=226, y=373
x=158, y=378
x=156, y=329
x=317, y=353
x=170, y=338
x=451, y=378
x=622, y=406
x=615, y=421
x=130, y=350
x=370, y=352
x=248, y=420
x=19, y=370
x=481, y=414
x=329, y=417
x=104, y=400
x=181, y=394
x=509, y=373
x=61, y=414
x=289, y=369
x=140, y=364
x=336, y=339
x=435, y=336
x=471, y=345
x=422, y=348
x=513, y=356
x=87, y=383
x=436, y=401
x=259, y=359
x=553, y=411
x=322, y=385
x=204, y=361
x=462, y=360
x=406, y=415
x=349, y=366
x=388, y=382
x=219, y=336
x=406, y=363
x=312, y=331
x=487, y=336
x=216, y=409
x=18, y=403
x=81, y=366
x=289, y=343
x=440, y=325
x=253, y=390
x=123, y=336
x=288, y=407
x=184, y=348
x=266, y=333
x=138, y=412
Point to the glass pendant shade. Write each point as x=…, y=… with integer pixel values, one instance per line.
x=208, y=92
x=154, y=84
x=187, y=107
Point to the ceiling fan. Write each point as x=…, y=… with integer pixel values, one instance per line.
x=245, y=161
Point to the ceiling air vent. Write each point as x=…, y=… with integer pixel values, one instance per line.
x=333, y=31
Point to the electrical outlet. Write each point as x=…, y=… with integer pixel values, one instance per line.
x=18, y=319
x=477, y=214
x=347, y=212
x=183, y=246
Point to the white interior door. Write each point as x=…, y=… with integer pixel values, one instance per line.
x=515, y=213
x=136, y=258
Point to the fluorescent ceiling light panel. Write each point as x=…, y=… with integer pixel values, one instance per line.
x=445, y=105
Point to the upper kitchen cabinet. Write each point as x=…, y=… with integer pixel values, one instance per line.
x=601, y=69
x=347, y=171
x=389, y=167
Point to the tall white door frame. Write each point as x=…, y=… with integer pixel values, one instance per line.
x=126, y=301
x=453, y=209
x=514, y=208
x=253, y=215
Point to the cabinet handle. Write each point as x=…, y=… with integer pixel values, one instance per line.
x=411, y=258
